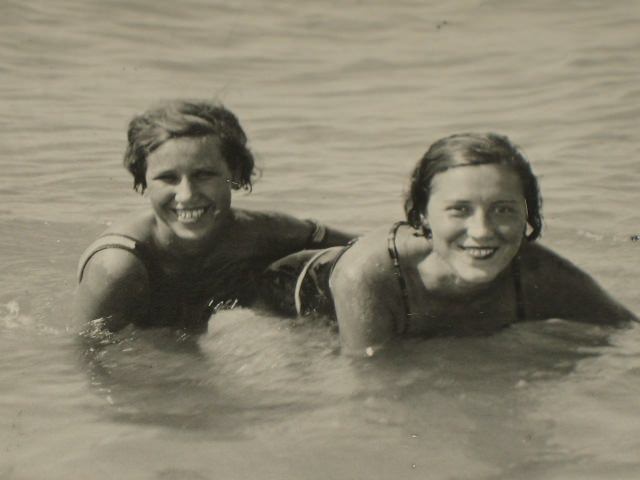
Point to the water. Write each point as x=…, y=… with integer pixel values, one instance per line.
x=339, y=100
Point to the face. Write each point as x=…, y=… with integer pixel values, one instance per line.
x=188, y=186
x=477, y=216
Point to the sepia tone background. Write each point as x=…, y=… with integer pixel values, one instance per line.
x=339, y=99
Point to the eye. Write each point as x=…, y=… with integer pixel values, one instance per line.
x=206, y=174
x=505, y=210
x=459, y=210
x=166, y=177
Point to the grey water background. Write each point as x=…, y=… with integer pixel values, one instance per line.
x=339, y=100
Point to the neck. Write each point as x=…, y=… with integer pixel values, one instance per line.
x=178, y=248
x=438, y=279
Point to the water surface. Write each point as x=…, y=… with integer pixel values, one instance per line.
x=339, y=100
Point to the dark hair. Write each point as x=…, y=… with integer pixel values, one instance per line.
x=182, y=118
x=472, y=149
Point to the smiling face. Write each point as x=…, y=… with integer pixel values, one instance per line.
x=188, y=186
x=477, y=217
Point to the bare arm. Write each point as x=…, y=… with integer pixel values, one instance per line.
x=366, y=302
x=324, y=237
x=555, y=288
x=114, y=290
x=275, y=235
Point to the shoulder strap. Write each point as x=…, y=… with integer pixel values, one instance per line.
x=113, y=240
x=395, y=257
x=517, y=286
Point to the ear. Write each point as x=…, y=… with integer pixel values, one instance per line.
x=233, y=184
x=236, y=178
x=424, y=222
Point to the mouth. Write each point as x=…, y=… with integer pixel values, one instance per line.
x=190, y=215
x=480, y=253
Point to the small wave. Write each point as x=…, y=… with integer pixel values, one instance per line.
x=13, y=319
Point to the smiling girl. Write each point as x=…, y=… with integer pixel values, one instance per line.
x=191, y=253
x=465, y=262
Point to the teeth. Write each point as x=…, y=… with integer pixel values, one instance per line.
x=479, y=252
x=189, y=215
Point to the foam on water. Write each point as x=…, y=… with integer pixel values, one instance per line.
x=339, y=100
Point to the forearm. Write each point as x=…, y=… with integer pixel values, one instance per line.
x=365, y=321
x=322, y=236
x=91, y=313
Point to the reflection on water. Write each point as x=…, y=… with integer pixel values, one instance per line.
x=339, y=101
x=251, y=366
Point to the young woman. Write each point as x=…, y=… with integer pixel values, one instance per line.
x=466, y=260
x=191, y=253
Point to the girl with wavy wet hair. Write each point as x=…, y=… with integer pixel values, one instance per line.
x=464, y=263
x=473, y=149
x=191, y=253
x=176, y=119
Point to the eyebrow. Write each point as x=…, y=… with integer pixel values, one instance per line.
x=459, y=200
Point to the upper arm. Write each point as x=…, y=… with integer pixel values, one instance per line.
x=556, y=288
x=363, y=303
x=279, y=234
x=114, y=287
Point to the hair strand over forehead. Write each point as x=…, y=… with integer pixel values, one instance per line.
x=182, y=118
x=472, y=149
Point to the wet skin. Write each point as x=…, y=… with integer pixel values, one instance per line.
x=188, y=185
x=477, y=218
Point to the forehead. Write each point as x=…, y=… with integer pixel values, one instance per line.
x=472, y=181
x=185, y=151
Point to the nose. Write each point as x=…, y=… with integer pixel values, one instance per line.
x=184, y=190
x=479, y=225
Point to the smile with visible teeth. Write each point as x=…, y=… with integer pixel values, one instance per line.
x=189, y=215
x=480, y=253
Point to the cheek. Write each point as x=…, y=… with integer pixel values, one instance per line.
x=223, y=190
x=513, y=232
x=156, y=193
x=220, y=191
x=446, y=230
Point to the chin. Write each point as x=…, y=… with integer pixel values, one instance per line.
x=188, y=234
x=478, y=278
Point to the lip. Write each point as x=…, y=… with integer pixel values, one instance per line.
x=479, y=253
x=190, y=215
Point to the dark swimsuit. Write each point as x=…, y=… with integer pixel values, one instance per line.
x=186, y=299
x=393, y=253
x=299, y=284
x=116, y=240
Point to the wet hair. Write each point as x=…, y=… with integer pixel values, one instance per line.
x=472, y=149
x=181, y=118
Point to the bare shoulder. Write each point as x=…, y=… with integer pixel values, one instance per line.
x=138, y=225
x=366, y=262
x=110, y=255
x=365, y=294
x=113, y=265
x=114, y=285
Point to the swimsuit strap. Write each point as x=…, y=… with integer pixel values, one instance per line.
x=301, y=277
x=395, y=257
x=517, y=286
x=115, y=240
x=322, y=277
x=340, y=253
